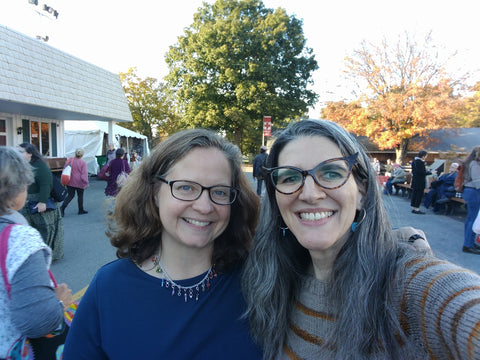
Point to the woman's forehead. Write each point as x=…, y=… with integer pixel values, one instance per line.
x=307, y=152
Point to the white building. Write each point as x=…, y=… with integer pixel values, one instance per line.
x=41, y=87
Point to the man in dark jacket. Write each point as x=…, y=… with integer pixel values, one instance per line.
x=258, y=173
x=419, y=172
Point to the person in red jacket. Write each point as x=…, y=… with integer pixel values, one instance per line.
x=78, y=182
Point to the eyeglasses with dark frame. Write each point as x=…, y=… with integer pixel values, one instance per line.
x=186, y=190
x=329, y=174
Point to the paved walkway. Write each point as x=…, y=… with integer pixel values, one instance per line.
x=87, y=247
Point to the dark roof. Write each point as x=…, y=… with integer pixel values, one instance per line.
x=459, y=139
x=462, y=139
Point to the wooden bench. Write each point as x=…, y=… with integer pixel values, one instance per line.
x=453, y=204
x=450, y=206
x=56, y=164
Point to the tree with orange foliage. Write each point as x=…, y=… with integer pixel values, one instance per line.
x=407, y=94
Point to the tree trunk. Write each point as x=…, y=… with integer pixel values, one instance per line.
x=238, y=138
x=401, y=151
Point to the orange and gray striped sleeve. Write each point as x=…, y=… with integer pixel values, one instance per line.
x=440, y=308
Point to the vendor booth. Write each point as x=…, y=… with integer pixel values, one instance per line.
x=92, y=137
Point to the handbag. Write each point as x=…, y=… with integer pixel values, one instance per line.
x=59, y=192
x=122, y=178
x=458, y=184
x=66, y=173
x=104, y=173
x=47, y=347
x=476, y=224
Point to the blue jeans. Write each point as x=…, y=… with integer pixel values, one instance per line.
x=472, y=197
x=259, y=186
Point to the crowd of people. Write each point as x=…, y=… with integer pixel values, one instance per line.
x=314, y=271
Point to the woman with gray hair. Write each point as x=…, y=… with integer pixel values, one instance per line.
x=29, y=304
x=78, y=181
x=327, y=279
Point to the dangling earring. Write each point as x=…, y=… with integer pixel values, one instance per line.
x=356, y=223
x=283, y=230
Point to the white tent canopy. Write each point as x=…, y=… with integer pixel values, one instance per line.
x=89, y=135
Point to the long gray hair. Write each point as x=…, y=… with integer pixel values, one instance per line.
x=363, y=274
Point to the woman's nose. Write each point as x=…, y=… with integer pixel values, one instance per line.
x=310, y=191
x=203, y=204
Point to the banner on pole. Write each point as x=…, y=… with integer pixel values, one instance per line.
x=267, y=126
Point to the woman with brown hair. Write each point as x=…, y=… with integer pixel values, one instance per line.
x=182, y=226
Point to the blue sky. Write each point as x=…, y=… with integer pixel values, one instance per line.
x=116, y=35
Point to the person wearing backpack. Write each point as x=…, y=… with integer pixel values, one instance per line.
x=471, y=194
x=258, y=163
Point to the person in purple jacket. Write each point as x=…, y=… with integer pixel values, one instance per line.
x=117, y=165
x=78, y=182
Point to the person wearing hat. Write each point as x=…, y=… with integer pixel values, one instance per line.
x=258, y=163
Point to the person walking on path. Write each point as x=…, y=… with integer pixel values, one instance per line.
x=48, y=221
x=258, y=163
x=117, y=165
x=419, y=172
x=471, y=194
x=78, y=182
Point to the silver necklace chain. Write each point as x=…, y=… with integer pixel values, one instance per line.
x=188, y=291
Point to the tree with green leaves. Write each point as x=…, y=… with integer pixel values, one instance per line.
x=237, y=62
x=152, y=110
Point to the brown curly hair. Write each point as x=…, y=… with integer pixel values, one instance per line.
x=135, y=227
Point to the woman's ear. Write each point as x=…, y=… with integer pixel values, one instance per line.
x=362, y=193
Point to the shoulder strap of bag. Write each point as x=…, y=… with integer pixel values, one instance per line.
x=4, y=235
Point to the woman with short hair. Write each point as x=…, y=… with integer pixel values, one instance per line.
x=31, y=306
x=78, y=181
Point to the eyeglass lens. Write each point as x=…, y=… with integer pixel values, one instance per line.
x=329, y=175
x=187, y=190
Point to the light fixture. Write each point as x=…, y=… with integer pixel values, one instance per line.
x=19, y=130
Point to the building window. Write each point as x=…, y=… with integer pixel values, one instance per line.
x=3, y=132
x=40, y=136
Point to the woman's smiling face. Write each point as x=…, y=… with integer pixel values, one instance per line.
x=319, y=218
x=197, y=223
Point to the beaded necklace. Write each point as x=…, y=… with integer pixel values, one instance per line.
x=188, y=291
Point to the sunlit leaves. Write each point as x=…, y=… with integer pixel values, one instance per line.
x=406, y=93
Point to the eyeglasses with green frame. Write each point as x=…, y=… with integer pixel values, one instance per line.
x=190, y=190
x=329, y=174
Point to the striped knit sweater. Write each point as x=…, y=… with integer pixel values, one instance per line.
x=440, y=303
